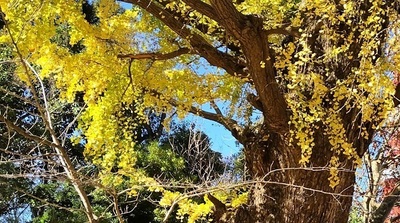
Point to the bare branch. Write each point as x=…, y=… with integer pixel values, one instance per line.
x=116, y=208
x=27, y=134
x=46, y=116
x=7, y=92
x=45, y=201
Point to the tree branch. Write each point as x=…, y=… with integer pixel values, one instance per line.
x=283, y=31
x=396, y=98
x=255, y=101
x=199, y=44
x=72, y=175
x=215, y=107
x=220, y=208
x=203, y=8
x=156, y=56
x=230, y=17
x=230, y=124
x=249, y=31
x=45, y=201
x=27, y=134
x=46, y=117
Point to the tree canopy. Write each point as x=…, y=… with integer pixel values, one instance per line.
x=303, y=85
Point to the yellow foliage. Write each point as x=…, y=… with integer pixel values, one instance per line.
x=110, y=83
x=369, y=88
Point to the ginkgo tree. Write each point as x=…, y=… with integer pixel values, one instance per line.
x=319, y=74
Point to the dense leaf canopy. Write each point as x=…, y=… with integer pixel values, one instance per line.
x=292, y=71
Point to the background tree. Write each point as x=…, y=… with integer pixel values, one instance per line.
x=375, y=197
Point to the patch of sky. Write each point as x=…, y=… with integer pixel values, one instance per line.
x=20, y=214
x=125, y=5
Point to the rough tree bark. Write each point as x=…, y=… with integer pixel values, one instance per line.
x=288, y=193
x=283, y=190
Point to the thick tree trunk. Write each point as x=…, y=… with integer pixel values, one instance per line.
x=287, y=192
